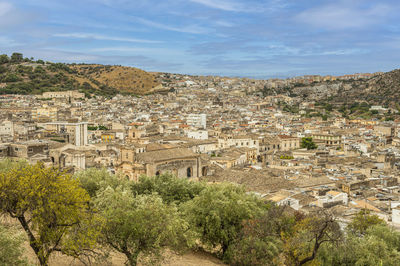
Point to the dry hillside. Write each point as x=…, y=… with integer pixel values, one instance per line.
x=123, y=79
x=35, y=77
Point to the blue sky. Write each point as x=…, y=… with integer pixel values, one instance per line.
x=250, y=38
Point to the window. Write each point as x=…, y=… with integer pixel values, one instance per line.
x=30, y=150
x=189, y=171
x=15, y=149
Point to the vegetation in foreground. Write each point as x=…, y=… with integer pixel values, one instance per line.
x=87, y=215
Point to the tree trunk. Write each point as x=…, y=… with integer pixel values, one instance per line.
x=43, y=259
x=132, y=258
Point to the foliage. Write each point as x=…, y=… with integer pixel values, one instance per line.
x=379, y=246
x=17, y=58
x=308, y=236
x=291, y=108
x=93, y=180
x=99, y=127
x=219, y=211
x=286, y=157
x=140, y=226
x=308, y=143
x=259, y=242
x=11, y=250
x=170, y=188
x=254, y=250
x=11, y=78
x=363, y=221
x=4, y=59
x=50, y=206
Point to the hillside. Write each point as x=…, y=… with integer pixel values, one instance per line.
x=20, y=75
x=125, y=79
x=382, y=90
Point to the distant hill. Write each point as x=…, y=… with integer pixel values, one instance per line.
x=382, y=89
x=20, y=75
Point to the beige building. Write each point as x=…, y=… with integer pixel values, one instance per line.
x=63, y=94
x=77, y=132
x=7, y=128
x=288, y=143
x=384, y=131
x=179, y=161
x=327, y=139
x=45, y=113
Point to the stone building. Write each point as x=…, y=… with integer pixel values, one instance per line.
x=63, y=94
x=181, y=162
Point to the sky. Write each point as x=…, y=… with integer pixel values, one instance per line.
x=245, y=38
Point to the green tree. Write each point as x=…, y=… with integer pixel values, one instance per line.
x=140, y=226
x=94, y=180
x=379, y=246
x=11, y=249
x=219, y=211
x=11, y=78
x=17, y=58
x=170, y=188
x=363, y=221
x=4, y=59
x=309, y=235
x=259, y=242
x=50, y=206
x=254, y=250
x=308, y=143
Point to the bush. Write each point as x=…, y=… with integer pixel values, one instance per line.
x=11, y=249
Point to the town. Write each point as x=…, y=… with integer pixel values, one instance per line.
x=218, y=129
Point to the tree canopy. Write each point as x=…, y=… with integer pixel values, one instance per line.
x=50, y=206
x=308, y=143
x=219, y=211
x=170, y=188
x=140, y=226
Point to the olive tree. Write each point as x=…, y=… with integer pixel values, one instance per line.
x=140, y=226
x=218, y=213
x=50, y=206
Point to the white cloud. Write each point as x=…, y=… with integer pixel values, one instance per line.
x=242, y=6
x=194, y=29
x=221, y=4
x=345, y=52
x=223, y=23
x=344, y=15
x=5, y=7
x=139, y=50
x=8, y=42
x=102, y=37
